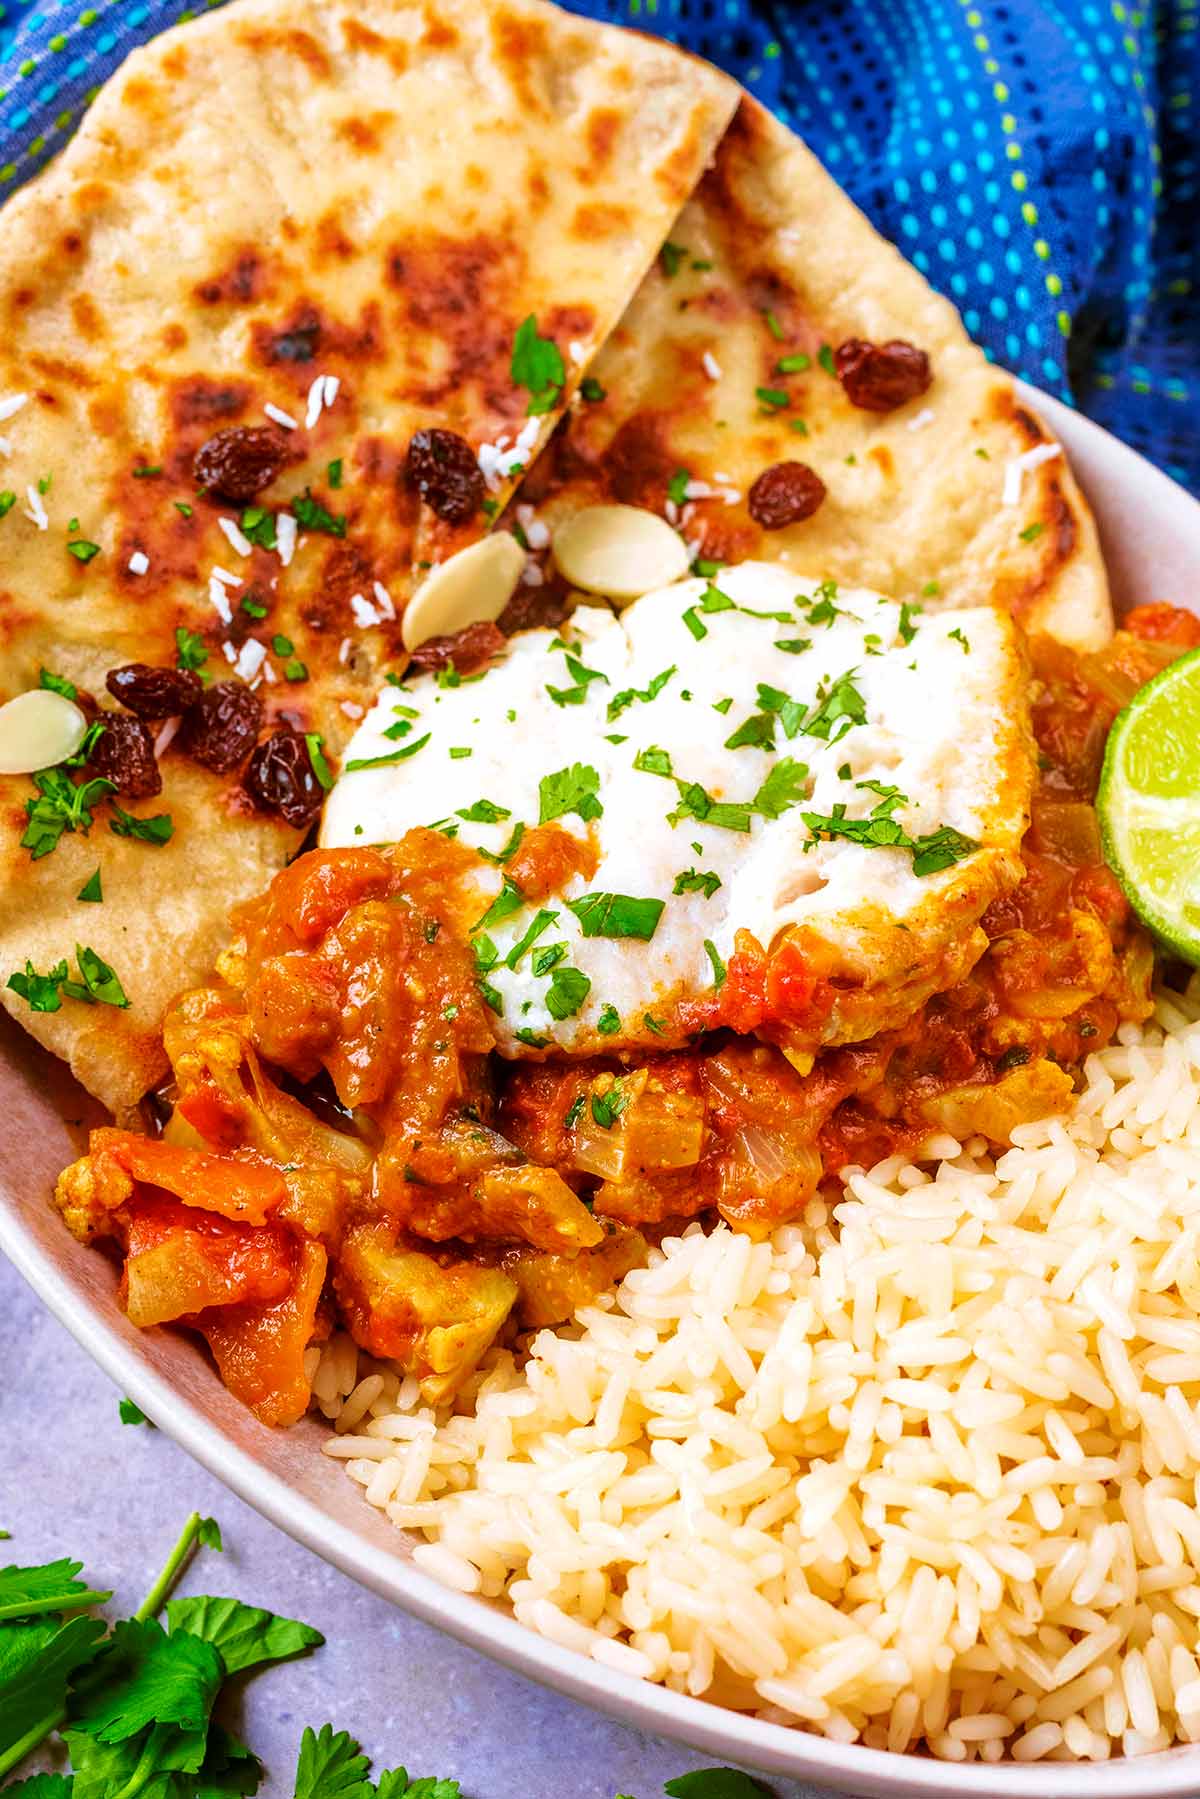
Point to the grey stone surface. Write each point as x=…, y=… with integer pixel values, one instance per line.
x=75, y=1480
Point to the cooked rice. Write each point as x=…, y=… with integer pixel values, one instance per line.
x=921, y=1471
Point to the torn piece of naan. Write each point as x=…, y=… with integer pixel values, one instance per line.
x=324, y=220
x=723, y=366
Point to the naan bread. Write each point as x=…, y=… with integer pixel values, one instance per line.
x=375, y=191
x=771, y=260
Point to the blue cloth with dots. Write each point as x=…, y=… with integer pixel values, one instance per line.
x=1039, y=160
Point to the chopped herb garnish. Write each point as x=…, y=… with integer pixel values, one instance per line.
x=253, y=606
x=546, y=958
x=533, y=1041
x=282, y=646
x=841, y=702
x=773, y=398
x=459, y=752
x=259, y=526
x=906, y=627
x=483, y=812
x=333, y=473
x=568, y=989
x=617, y=915
x=782, y=789
x=61, y=806
x=799, y=426
x=691, y=880
x=8, y=500
x=670, y=257
x=773, y=325
x=295, y=670
x=958, y=637
x=582, y=678
x=57, y=684
x=718, y=967
x=654, y=761
x=82, y=550
x=90, y=892
x=400, y=755
x=940, y=849
x=591, y=389
x=310, y=515
x=97, y=984
x=677, y=486
x=571, y=1115
x=39, y=991
x=537, y=364
x=930, y=590
x=930, y=853
x=1031, y=532
x=694, y=802
x=182, y=508
x=794, y=364
x=825, y=358
x=541, y=922
x=503, y=855
x=510, y=899
x=793, y=646
x=316, y=755
x=621, y=702
x=572, y=789
x=609, y=1021
x=45, y=483
x=722, y=706
x=755, y=732
x=607, y=1107
x=127, y=1411
x=160, y=829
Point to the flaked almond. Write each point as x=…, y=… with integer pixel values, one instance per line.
x=38, y=730
x=619, y=551
x=472, y=587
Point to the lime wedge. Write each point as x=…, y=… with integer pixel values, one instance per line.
x=1149, y=804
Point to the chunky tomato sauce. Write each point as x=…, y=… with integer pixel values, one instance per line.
x=343, y=1142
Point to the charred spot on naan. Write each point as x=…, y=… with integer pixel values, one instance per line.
x=244, y=279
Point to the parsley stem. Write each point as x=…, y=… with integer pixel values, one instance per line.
x=57, y=1602
x=152, y=1603
x=16, y=1752
x=143, y=1771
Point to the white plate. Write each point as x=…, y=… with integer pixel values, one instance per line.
x=1151, y=534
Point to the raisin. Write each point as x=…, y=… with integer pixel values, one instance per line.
x=466, y=651
x=880, y=377
x=441, y=465
x=219, y=731
x=240, y=461
x=281, y=778
x=154, y=692
x=534, y=609
x=124, y=754
x=784, y=494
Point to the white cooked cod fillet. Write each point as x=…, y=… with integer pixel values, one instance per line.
x=769, y=755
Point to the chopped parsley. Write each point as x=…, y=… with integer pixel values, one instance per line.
x=189, y=648
x=773, y=325
x=316, y=755
x=840, y=702
x=795, y=364
x=609, y=1021
x=459, y=752
x=572, y=789
x=61, y=806
x=499, y=857
x=782, y=789
x=401, y=755
x=691, y=880
x=537, y=364
x=259, y=526
x=82, y=550
x=483, y=812
x=253, y=607
x=533, y=1041
x=607, y=1107
x=295, y=670
x=1031, y=532
x=772, y=399
x=571, y=1115
x=825, y=358
x=621, y=702
x=333, y=473
x=755, y=732
x=718, y=967
x=793, y=646
x=542, y=922
x=582, y=678
x=677, y=486
x=931, y=590
x=568, y=989
x=310, y=515
x=510, y=899
x=8, y=500
x=282, y=646
x=591, y=389
x=57, y=684
x=182, y=508
x=930, y=853
x=90, y=892
x=97, y=984
x=159, y=830
x=906, y=627
x=670, y=257
x=958, y=637
x=546, y=958
x=722, y=706
x=617, y=915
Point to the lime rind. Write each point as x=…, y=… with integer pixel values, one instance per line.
x=1148, y=804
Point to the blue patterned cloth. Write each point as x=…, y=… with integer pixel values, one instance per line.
x=1039, y=160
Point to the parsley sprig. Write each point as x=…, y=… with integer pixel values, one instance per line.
x=537, y=364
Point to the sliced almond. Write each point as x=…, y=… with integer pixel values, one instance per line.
x=37, y=730
x=474, y=585
x=620, y=551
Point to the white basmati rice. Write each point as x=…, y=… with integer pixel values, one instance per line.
x=922, y=1471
